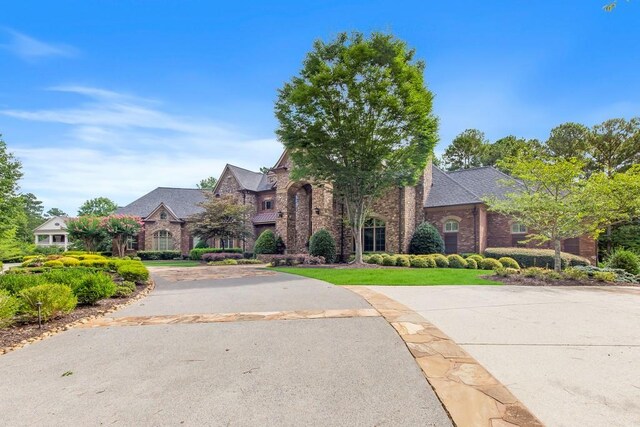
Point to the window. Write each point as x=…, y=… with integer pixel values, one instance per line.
x=517, y=228
x=163, y=215
x=132, y=244
x=226, y=243
x=162, y=241
x=267, y=205
x=451, y=226
x=374, y=235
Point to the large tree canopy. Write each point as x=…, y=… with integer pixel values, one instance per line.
x=100, y=206
x=207, y=183
x=358, y=116
x=466, y=150
x=222, y=217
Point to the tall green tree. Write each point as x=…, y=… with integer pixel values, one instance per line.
x=120, y=228
x=568, y=140
x=100, y=206
x=12, y=216
x=55, y=212
x=32, y=218
x=557, y=200
x=222, y=217
x=614, y=145
x=207, y=183
x=359, y=118
x=466, y=150
x=509, y=146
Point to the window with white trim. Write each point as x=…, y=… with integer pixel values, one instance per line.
x=451, y=226
x=162, y=241
x=518, y=228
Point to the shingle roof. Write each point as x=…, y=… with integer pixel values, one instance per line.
x=466, y=186
x=264, y=218
x=184, y=202
x=249, y=180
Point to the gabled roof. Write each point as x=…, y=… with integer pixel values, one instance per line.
x=264, y=218
x=183, y=202
x=50, y=224
x=466, y=186
x=248, y=180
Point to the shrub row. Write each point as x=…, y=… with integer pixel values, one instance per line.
x=158, y=255
x=220, y=256
x=441, y=261
x=196, y=253
x=526, y=257
x=291, y=259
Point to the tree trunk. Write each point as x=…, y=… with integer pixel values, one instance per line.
x=557, y=258
x=357, y=231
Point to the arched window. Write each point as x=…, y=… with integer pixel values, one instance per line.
x=162, y=241
x=163, y=215
x=374, y=235
x=451, y=226
x=517, y=228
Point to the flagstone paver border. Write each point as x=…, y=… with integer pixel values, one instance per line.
x=471, y=395
x=230, y=317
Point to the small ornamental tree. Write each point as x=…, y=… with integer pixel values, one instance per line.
x=120, y=228
x=88, y=230
x=222, y=217
x=426, y=240
x=322, y=244
x=266, y=243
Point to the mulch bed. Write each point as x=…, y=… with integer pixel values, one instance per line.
x=518, y=280
x=22, y=333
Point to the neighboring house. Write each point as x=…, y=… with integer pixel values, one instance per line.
x=53, y=232
x=294, y=210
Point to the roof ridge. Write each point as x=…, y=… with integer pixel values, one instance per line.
x=473, y=168
x=182, y=188
x=245, y=169
x=458, y=184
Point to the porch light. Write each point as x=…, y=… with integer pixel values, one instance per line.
x=317, y=211
x=280, y=214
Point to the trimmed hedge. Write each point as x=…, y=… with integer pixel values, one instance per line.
x=133, y=271
x=196, y=254
x=509, y=262
x=291, y=259
x=266, y=243
x=490, y=264
x=55, y=299
x=94, y=287
x=526, y=257
x=456, y=261
x=441, y=260
x=426, y=240
x=158, y=255
x=322, y=244
x=9, y=306
x=472, y=264
x=221, y=256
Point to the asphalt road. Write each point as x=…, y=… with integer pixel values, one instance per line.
x=324, y=371
x=570, y=354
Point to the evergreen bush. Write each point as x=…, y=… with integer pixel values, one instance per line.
x=322, y=244
x=426, y=240
x=508, y=262
x=94, y=287
x=490, y=264
x=456, y=261
x=440, y=260
x=624, y=260
x=266, y=243
x=55, y=299
x=472, y=264
x=8, y=308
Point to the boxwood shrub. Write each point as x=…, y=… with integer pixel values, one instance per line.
x=8, y=308
x=526, y=257
x=94, y=287
x=426, y=240
x=55, y=299
x=159, y=255
x=196, y=254
x=14, y=283
x=490, y=264
x=509, y=262
x=456, y=261
x=440, y=260
x=322, y=244
x=472, y=264
x=133, y=271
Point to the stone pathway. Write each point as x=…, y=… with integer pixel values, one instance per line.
x=207, y=347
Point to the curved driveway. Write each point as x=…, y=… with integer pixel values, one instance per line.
x=169, y=359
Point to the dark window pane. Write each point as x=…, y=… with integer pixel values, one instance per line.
x=368, y=240
x=380, y=239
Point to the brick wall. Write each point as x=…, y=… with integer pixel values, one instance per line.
x=465, y=217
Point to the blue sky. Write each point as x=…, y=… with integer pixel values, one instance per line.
x=115, y=98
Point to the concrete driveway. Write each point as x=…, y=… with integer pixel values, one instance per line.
x=571, y=355
x=174, y=359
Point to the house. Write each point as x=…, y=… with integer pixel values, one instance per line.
x=452, y=201
x=52, y=233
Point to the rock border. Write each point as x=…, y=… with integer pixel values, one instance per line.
x=150, y=286
x=468, y=392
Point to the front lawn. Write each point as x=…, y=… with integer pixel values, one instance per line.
x=394, y=276
x=171, y=263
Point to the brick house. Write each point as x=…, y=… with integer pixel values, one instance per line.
x=294, y=210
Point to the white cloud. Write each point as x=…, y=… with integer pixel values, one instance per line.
x=30, y=49
x=121, y=146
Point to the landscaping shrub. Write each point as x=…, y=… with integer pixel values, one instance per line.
x=53, y=264
x=472, y=264
x=322, y=244
x=158, y=255
x=552, y=275
x=202, y=244
x=248, y=261
x=124, y=289
x=526, y=257
x=505, y=272
x=440, y=260
x=133, y=271
x=53, y=257
x=621, y=275
x=416, y=262
x=426, y=240
x=575, y=274
x=227, y=261
x=403, y=261
x=221, y=256
x=94, y=262
x=8, y=308
x=604, y=276
x=266, y=243
x=490, y=264
x=375, y=259
x=55, y=299
x=509, y=262
x=34, y=261
x=456, y=261
x=624, y=260
x=248, y=255
x=534, y=272
x=94, y=287
x=196, y=254
x=68, y=261
x=477, y=258
x=389, y=261
x=14, y=283
x=291, y=259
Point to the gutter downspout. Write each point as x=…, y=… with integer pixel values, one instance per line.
x=400, y=218
x=475, y=229
x=342, y=232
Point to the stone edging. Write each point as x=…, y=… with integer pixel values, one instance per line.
x=80, y=321
x=469, y=393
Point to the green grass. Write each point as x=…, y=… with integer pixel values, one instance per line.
x=171, y=263
x=394, y=276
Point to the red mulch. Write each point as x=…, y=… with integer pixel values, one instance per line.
x=23, y=331
x=519, y=280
